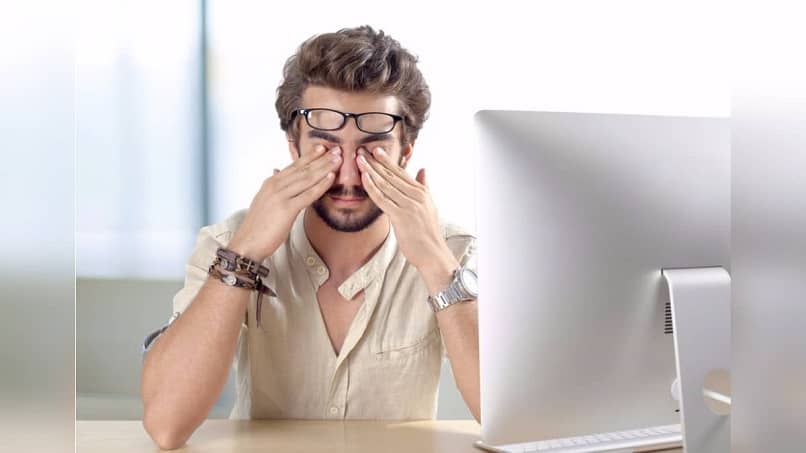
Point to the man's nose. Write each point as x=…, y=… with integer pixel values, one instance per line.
x=349, y=174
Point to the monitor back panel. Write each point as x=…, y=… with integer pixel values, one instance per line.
x=577, y=215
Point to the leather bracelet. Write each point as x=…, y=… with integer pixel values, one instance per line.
x=235, y=270
x=231, y=279
x=231, y=261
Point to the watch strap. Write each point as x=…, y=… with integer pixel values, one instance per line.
x=451, y=295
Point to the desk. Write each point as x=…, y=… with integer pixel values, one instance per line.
x=290, y=436
x=287, y=436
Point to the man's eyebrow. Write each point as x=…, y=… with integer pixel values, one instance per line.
x=376, y=138
x=323, y=135
x=332, y=138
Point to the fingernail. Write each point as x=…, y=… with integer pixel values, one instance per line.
x=380, y=151
x=335, y=150
x=362, y=159
x=319, y=149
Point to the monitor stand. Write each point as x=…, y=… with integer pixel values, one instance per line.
x=700, y=303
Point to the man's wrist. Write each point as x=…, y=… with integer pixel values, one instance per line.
x=246, y=250
x=438, y=275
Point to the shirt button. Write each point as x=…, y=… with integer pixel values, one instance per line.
x=310, y=261
x=334, y=410
x=321, y=270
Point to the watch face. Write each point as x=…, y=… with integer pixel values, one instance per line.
x=469, y=281
x=230, y=279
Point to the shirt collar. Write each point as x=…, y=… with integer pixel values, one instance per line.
x=318, y=271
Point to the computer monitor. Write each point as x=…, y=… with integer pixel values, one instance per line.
x=577, y=216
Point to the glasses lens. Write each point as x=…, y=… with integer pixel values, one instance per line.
x=376, y=123
x=325, y=119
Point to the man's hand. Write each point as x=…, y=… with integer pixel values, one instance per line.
x=280, y=200
x=414, y=217
x=412, y=213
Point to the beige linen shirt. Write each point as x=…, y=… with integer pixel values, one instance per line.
x=389, y=365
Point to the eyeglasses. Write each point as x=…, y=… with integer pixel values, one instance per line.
x=331, y=120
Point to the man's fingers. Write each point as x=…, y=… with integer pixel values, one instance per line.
x=382, y=164
x=313, y=193
x=307, y=164
x=389, y=183
x=421, y=177
x=383, y=202
x=318, y=153
x=306, y=159
x=300, y=181
x=383, y=158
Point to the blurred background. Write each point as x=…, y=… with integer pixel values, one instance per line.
x=37, y=379
x=176, y=128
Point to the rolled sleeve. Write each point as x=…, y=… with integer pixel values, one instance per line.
x=207, y=242
x=151, y=337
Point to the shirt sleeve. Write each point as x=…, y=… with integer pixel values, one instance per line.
x=207, y=242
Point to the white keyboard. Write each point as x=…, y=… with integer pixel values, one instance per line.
x=647, y=439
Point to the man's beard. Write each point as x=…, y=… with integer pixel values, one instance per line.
x=346, y=221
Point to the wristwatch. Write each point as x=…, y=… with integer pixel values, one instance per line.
x=464, y=287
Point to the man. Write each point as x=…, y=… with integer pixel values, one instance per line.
x=364, y=291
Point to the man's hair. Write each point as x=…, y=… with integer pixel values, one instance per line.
x=355, y=59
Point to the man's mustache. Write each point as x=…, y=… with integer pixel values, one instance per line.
x=341, y=192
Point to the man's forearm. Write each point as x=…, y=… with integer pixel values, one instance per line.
x=460, y=332
x=459, y=325
x=186, y=369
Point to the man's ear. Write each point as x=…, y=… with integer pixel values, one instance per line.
x=293, y=148
x=405, y=154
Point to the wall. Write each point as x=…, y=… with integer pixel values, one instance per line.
x=769, y=229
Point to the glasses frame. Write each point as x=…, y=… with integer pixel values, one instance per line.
x=345, y=116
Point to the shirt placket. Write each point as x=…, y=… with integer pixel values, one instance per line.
x=337, y=401
x=316, y=269
x=336, y=407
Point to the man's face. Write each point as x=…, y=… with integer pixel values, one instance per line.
x=346, y=206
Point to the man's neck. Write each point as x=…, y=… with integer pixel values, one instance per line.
x=344, y=253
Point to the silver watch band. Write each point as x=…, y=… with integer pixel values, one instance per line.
x=450, y=295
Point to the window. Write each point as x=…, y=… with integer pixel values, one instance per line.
x=139, y=159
